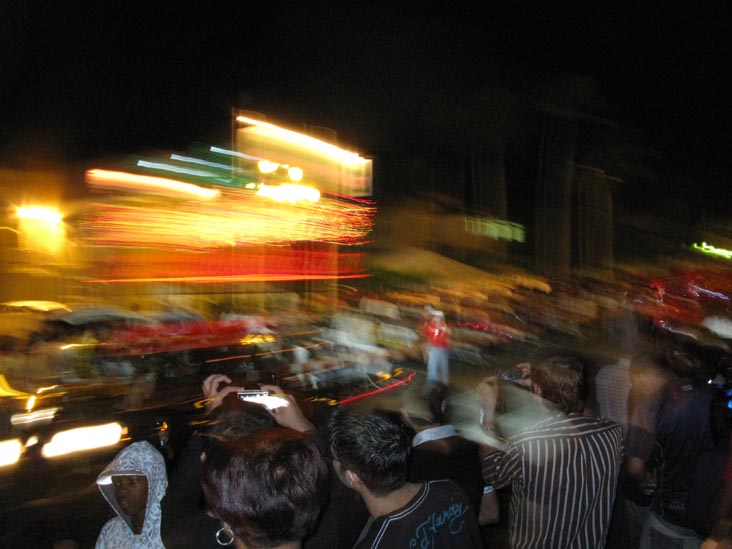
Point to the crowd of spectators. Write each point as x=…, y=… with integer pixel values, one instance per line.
x=649, y=466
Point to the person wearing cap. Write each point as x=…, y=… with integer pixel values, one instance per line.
x=133, y=484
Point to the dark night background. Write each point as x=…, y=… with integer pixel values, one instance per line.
x=398, y=82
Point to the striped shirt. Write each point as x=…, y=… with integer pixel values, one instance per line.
x=563, y=472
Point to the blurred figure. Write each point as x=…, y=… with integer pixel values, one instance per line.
x=680, y=432
x=437, y=343
x=648, y=377
x=267, y=488
x=438, y=450
x=133, y=484
x=563, y=470
x=709, y=506
x=371, y=456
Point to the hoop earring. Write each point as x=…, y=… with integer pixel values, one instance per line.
x=228, y=536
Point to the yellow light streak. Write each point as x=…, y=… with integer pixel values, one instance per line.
x=131, y=181
x=237, y=217
x=41, y=417
x=10, y=451
x=256, y=339
x=316, y=145
x=265, y=166
x=39, y=213
x=289, y=192
x=81, y=439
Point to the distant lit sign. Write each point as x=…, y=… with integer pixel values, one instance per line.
x=495, y=228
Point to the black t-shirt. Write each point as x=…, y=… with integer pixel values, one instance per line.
x=440, y=515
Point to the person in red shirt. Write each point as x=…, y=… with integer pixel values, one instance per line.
x=437, y=336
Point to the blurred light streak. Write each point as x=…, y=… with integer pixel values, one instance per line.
x=82, y=438
x=42, y=417
x=256, y=339
x=288, y=192
x=10, y=451
x=49, y=216
x=35, y=305
x=497, y=229
x=130, y=181
x=712, y=250
x=265, y=129
x=234, y=153
x=192, y=160
x=238, y=217
x=265, y=166
x=379, y=390
x=259, y=263
x=229, y=279
x=174, y=169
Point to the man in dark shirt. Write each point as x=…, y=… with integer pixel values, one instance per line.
x=438, y=450
x=680, y=429
x=371, y=456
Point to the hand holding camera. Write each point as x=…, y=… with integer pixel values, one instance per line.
x=289, y=415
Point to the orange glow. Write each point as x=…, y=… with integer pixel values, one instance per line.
x=237, y=217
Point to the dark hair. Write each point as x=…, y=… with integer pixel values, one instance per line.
x=683, y=363
x=234, y=419
x=561, y=380
x=373, y=445
x=644, y=360
x=269, y=486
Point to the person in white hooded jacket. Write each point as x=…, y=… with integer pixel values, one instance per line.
x=133, y=484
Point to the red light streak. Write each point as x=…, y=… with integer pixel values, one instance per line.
x=379, y=390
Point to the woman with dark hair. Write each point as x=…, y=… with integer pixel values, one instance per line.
x=267, y=488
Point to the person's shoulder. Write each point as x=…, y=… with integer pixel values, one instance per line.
x=114, y=533
x=443, y=486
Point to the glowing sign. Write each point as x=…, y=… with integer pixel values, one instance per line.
x=495, y=228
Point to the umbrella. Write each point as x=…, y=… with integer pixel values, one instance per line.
x=99, y=313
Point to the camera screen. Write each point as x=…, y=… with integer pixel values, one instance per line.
x=264, y=398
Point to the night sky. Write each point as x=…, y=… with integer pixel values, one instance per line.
x=81, y=81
